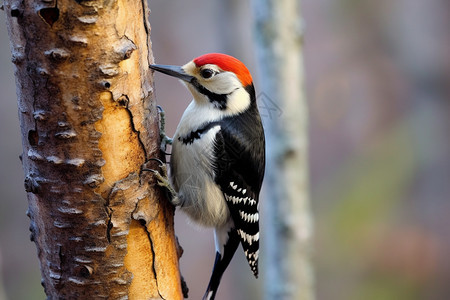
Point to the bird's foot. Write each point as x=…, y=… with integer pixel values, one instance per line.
x=163, y=181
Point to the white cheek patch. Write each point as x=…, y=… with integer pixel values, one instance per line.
x=222, y=83
x=238, y=101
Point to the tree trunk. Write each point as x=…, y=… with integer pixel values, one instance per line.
x=89, y=122
x=288, y=225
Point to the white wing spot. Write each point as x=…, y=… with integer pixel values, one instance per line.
x=251, y=218
x=256, y=217
x=233, y=186
x=236, y=199
x=252, y=256
x=248, y=237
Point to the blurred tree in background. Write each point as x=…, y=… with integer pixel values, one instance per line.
x=377, y=82
x=380, y=151
x=287, y=234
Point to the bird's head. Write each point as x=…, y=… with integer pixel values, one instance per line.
x=215, y=79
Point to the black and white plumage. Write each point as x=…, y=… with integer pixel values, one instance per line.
x=218, y=157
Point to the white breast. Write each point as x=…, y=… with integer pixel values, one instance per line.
x=192, y=175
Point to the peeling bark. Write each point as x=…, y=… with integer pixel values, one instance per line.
x=89, y=122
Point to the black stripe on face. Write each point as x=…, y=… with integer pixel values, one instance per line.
x=219, y=100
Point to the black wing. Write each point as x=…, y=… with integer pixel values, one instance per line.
x=239, y=170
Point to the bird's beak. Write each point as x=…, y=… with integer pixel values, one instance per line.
x=175, y=71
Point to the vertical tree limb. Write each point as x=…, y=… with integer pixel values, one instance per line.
x=89, y=122
x=288, y=227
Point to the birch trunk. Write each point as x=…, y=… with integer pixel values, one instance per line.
x=89, y=122
x=288, y=221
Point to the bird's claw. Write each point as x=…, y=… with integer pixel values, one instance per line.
x=162, y=180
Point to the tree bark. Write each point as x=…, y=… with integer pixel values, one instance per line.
x=288, y=220
x=89, y=122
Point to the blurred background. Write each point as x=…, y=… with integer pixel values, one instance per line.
x=378, y=89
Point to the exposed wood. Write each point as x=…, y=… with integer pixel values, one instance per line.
x=89, y=122
x=288, y=226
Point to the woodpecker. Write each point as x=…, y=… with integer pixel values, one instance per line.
x=218, y=156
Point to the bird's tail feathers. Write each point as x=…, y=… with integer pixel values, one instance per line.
x=220, y=265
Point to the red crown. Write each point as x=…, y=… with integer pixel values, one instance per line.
x=226, y=63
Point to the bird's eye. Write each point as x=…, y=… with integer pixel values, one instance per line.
x=207, y=73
